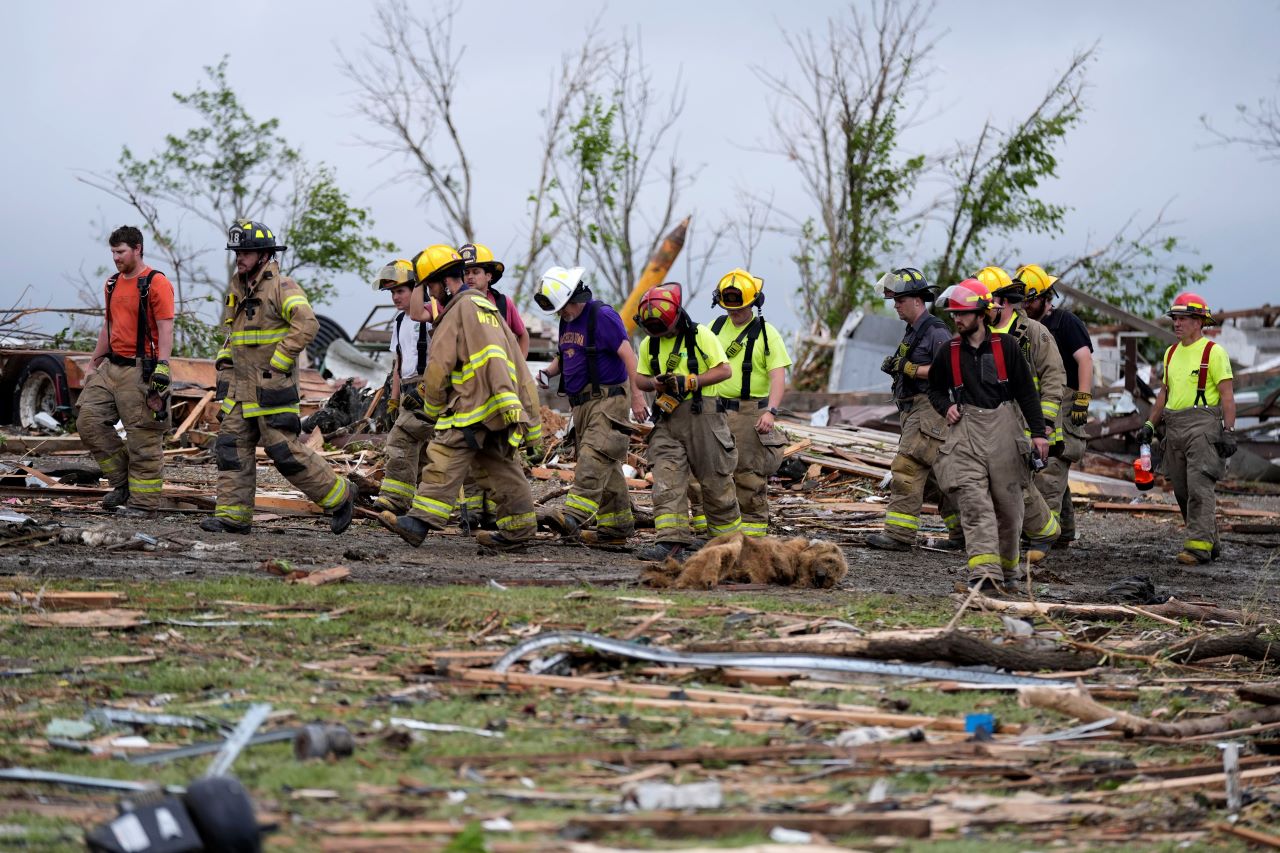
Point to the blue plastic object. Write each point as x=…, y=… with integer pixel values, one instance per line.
x=975, y=723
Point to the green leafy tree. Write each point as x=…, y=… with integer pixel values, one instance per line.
x=230, y=166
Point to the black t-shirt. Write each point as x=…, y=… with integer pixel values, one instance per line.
x=1070, y=333
x=982, y=386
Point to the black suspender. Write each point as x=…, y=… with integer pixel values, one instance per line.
x=590, y=350
x=745, y=339
x=422, y=344
x=144, y=326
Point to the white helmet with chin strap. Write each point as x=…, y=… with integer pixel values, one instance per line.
x=558, y=287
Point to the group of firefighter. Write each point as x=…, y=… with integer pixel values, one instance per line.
x=992, y=416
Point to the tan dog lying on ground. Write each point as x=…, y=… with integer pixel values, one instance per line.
x=735, y=558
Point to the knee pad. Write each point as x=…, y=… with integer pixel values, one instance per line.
x=285, y=422
x=286, y=462
x=225, y=453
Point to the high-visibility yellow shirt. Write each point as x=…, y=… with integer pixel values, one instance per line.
x=708, y=354
x=761, y=364
x=1183, y=374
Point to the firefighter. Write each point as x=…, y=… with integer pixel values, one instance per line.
x=923, y=429
x=1076, y=349
x=481, y=272
x=1198, y=407
x=478, y=394
x=268, y=323
x=1040, y=523
x=759, y=359
x=596, y=367
x=406, y=445
x=682, y=361
x=978, y=382
x=135, y=341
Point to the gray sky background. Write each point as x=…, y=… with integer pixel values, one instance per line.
x=84, y=78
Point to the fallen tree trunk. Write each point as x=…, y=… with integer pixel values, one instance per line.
x=1260, y=694
x=1171, y=609
x=918, y=647
x=1249, y=644
x=1077, y=703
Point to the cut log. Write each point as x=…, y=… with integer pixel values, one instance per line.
x=917, y=647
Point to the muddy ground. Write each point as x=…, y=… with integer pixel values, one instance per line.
x=1112, y=545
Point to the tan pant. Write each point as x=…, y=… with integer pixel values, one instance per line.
x=685, y=443
x=923, y=430
x=758, y=459
x=116, y=393
x=1052, y=482
x=234, y=454
x=599, y=491
x=406, y=455
x=450, y=456
x=982, y=467
x=1192, y=464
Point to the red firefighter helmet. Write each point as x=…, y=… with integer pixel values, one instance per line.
x=1191, y=305
x=969, y=295
x=659, y=310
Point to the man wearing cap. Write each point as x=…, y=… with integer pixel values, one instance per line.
x=923, y=429
x=1198, y=408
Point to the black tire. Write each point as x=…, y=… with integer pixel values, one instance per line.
x=223, y=814
x=329, y=332
x=35, y=390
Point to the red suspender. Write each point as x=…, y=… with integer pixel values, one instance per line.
x=997, y=352
x=1202, y=380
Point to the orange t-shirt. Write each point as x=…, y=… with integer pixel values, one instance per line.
x=124, y=312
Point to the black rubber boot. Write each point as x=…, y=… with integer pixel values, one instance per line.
x=341, y=518
x=498, y=542
x=214, y=524
x=412, y=530
x=116, y=498
x=885, y=542
x=659, y=552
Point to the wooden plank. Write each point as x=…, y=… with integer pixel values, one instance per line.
x=1152, y=507
x=68, y=600
x=423, y=827
x=1205, y=781
x=38, y=444
x=1253, y=836
x=193, y=415
x=324, y=576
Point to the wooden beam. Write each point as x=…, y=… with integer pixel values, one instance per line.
x=677, y=824
x=193, y=415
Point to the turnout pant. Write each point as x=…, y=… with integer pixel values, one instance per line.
x=406, y=452
x=982, y=467
x=758, y=459
x=234, y=452
x=1052, y=481
x=599, y=491
x=455, y=452
x=117, y=393
x=1192, y=464
x=923, y=431
x=685, y=443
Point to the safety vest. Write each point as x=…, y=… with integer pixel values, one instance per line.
x=746, y=338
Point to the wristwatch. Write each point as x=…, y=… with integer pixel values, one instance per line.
x=773, y=410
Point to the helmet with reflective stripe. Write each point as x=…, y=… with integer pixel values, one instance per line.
x=398, y=273
x=249, y=236
x=436, y=262
x=739, y=289
x=558, y=287
x=1038, y=283
x=659, y=310
x=906, y=281
x=1191, y=305
x=968, y=295
x=477, y=255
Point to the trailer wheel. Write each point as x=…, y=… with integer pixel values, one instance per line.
x=37, y=389
x=223, y=814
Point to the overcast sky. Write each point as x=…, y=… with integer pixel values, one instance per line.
x=85, y=78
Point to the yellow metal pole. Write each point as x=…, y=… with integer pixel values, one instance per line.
x=655, y=272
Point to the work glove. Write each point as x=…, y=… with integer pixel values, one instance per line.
x=680, y=384
x=544, y=379
x=892, y=364
x=160, y=377
x=393, y=406
x=534, y=453
x=1227, y=444
x=223, y=363
x=1080, y=408
x=1147, y=433
x=909, y=369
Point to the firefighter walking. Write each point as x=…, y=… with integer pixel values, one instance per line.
x=1075, y=347
x=406, y=445
x=596, y=367
x=1197, y=406
x=975, y=382
x=478, y=394
x=128, y=380
x=681, y=361
x=923, y=428
x=269, y=322
x=759, y=360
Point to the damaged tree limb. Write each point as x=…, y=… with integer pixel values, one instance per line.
x=1248, y=644
x=1077, y=703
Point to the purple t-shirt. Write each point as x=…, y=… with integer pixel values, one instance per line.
x=573, y=356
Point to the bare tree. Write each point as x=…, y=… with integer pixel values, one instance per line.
x=838, y=125
x=408, y=78
x=618, y=181
x=749, y=224
x=1262, y=128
